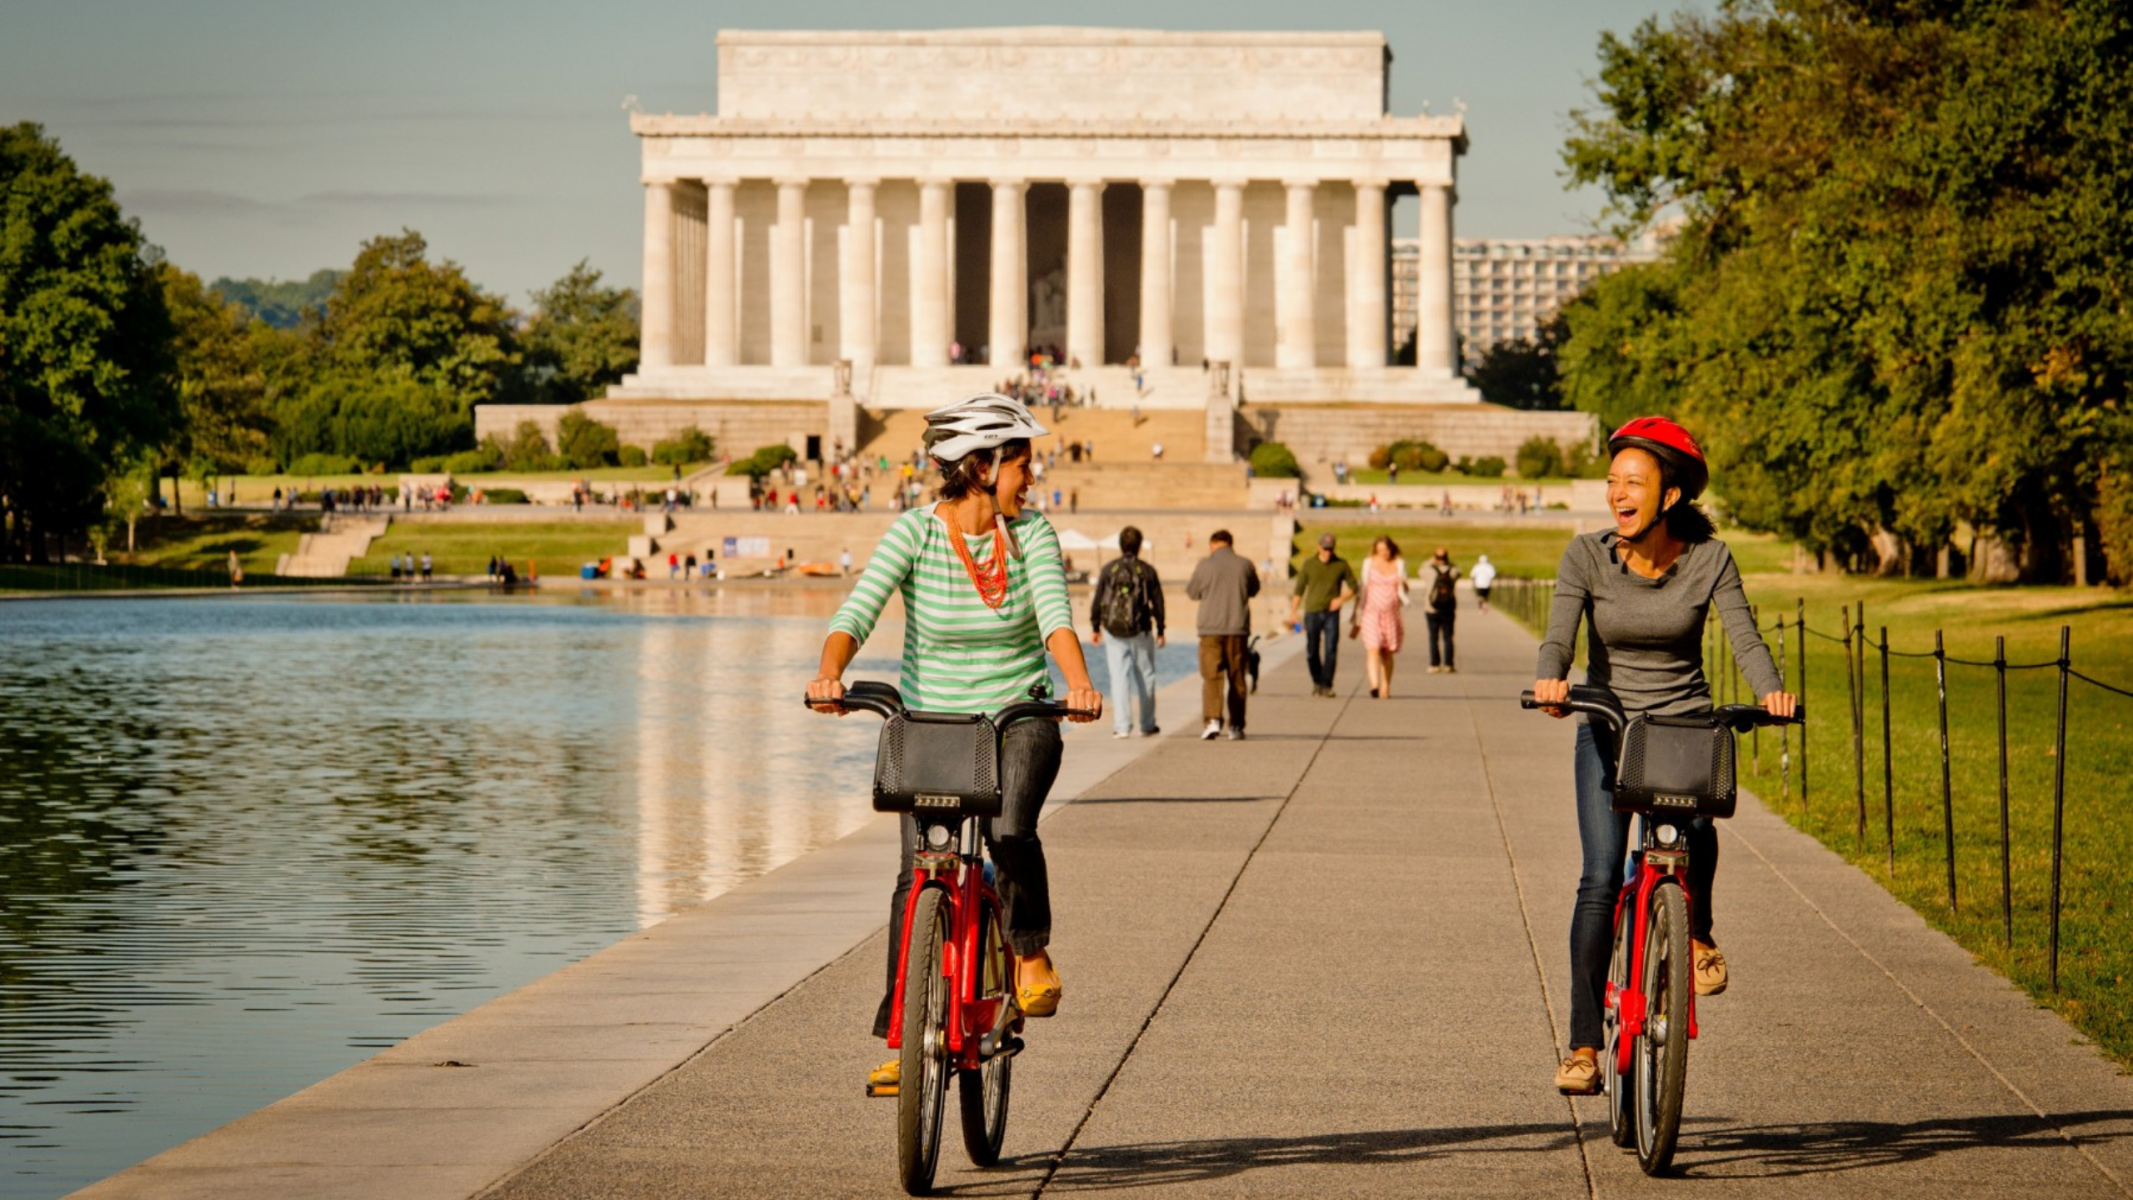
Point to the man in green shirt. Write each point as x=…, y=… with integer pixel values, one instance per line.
x=1324, y=585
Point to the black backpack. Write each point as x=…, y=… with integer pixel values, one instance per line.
x=1442, y=597
x=1127, y=610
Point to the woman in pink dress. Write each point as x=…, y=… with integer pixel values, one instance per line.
x=1377, y=615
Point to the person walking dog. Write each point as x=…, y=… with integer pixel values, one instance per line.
x=1126, y=615
x=1224, y=584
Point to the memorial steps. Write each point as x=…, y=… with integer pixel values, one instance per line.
x=1117, y=434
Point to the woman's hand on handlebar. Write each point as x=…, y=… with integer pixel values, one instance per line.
x=1550, y=694
x=1780, y=704
x=1086, y=704
x=825, y=690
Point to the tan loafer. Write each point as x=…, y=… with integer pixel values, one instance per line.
x=885, y=1079
x=1037, y=987
x=1711, y=977
x=1578, y=1076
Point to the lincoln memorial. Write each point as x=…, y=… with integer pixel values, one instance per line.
x=893, y=220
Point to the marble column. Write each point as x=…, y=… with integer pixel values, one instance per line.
x=721, y=327
x=1367, y=279
x=1085, y=267
x=1298, y=296
x=1009, y=327
x=1157, y=335
x=655, y=345
x=856, y=298
x=1434, y=341
x=1225, y=276
x=929, y=325
x=788, y=276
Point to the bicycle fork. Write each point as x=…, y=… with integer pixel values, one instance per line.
x=1628, y=1000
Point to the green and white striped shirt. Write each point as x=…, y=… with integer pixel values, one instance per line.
x=959, y=655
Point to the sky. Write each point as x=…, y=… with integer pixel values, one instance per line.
x=269, y=138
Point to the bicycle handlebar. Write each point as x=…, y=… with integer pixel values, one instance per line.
x=1600, y=702
x=885, y=701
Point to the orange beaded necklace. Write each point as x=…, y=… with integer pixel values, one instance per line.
x=991, y=578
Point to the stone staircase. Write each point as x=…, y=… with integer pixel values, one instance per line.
x=1117, y=435
x=327, y=555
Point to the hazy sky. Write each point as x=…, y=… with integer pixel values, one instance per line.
x=270, y=137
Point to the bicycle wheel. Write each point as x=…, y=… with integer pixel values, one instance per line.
x=1662, y=1059
x=924, y=1062
x=1621, y=1118
x=984, y=1091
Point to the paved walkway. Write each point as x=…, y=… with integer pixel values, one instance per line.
x=1326, y=961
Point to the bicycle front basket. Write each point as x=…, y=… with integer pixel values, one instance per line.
x=941, y=763
x=1676, y=766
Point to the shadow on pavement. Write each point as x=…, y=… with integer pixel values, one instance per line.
x=1823, y=1147
x=1167, y=1164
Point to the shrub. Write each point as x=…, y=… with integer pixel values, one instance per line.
x=262, y=465
x=1586, y=462
x=1381, y=457
x=1419, y=456
x=632, y=456
x=583, y=443
x=1272, y=460
x=765, y=460
x=1540, y=458
x=690, y=445
x=472, y=462
x=504, y=495
x=325, y=464
x=1490, y=467
x=526, y=451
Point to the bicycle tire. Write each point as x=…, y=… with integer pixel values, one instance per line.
x=983, y=1093
x=1662, y=1061
x=923, y=1059
x=1620, y=1088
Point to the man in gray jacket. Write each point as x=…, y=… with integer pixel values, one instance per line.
x=1224, y=584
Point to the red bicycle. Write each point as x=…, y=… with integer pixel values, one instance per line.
x=952, y=1008
x=1668, y=769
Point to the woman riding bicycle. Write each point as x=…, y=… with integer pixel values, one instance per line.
x=984, y=591
x=1645, y=588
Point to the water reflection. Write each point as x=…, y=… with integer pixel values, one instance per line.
x=245, y=844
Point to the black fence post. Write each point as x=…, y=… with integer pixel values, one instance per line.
x=1784, y=731
x=1854, y=680
x=1888, y=763
x=1800, y=623
x=2066, y=639
x=1999, y=669
x=1947, y=792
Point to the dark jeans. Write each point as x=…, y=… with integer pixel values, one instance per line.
x=1222, y=674
x=1440, y=635
x=1029, y=762
x=1605, y=837
x=1322, y=645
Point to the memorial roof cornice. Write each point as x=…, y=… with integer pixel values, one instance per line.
x=707, y=125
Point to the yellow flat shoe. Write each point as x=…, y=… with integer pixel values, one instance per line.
x=1578, y=1076
x=1037, y=989
x=886, y=1078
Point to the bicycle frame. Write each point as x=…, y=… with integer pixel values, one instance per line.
x=1654, y=863
x=976, y=1027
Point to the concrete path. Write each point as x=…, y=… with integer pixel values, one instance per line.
x=1328, y=960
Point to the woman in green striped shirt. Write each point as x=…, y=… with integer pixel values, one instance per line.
x=984, y=589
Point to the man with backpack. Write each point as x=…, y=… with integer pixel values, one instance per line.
x=1443, y=607
x=1126, y=613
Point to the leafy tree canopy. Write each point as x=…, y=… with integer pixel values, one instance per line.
x=1522, y=372
x=220, y=386
x=86, y=366
x=280, y=302
x=1896, y=300
x=581, y=338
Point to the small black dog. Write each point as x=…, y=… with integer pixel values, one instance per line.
x=1251, y=663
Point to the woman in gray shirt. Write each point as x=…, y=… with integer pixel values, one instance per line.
x=1645, y=588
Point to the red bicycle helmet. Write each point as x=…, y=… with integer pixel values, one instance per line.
x=1672, y=444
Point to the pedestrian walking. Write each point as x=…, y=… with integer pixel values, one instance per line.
x=1224, y=584
x=1378, y=620
x=1484, y=578
x=844, y=561
x=1126, y=617
x=1325, y=584
x=1443, y=610
x=425, y=566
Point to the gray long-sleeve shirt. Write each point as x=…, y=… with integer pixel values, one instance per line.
x=1647, y=634
x=1224, y=584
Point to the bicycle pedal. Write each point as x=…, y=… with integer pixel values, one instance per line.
x=881, y=1091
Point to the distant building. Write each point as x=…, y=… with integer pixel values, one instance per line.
x=1504, y=288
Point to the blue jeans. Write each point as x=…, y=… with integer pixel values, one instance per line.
x=1132, y=663
x=1322, y=645
x=1604, y=834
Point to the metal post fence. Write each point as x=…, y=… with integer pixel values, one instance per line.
x=1851, y=701
x=1888, y=763
x=2066, y=650
x=1999, y=670
x=1947, y=790
x=1800, y=622
x=1784, y=731
x=1755, y=734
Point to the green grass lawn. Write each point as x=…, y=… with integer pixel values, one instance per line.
x=259, y=489
x=203, y=541
x=555, y=550
x=2096, y=919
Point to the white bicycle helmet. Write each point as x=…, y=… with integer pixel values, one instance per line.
x=983, y=422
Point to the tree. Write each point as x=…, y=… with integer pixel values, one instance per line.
x=1522, y=373
x=87, y=375
x=585, y=443
x=1896, y=304
x=221, y=390
x=581, y=338
x=280, y=303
